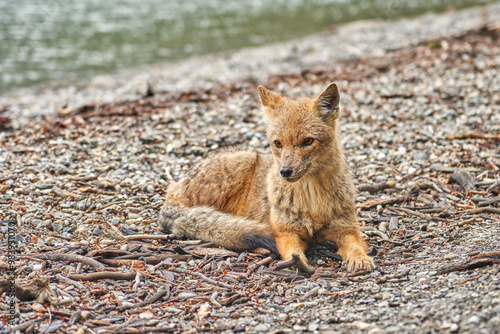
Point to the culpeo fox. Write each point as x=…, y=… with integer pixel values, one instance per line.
x=301, y=193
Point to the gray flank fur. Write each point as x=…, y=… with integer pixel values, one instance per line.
x=207, y=224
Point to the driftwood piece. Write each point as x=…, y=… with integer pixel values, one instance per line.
x=263, y=262
x=64, y=193
x=116, y=275
x=159, y=295
x=474, y=135
x=203, y=277
x=148, y=237
x=486, y=209
x=389, y=278
x=297, y=262
x=341, y=293
x=416, y=213
x=478, y=261
x=69, y=258
x=375, y=188
x=72, y=282
x=382, y=201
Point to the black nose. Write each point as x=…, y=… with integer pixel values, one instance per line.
x=286, y=171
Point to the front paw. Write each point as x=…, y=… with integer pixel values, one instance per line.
x=359, y=260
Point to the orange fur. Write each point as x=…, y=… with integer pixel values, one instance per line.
x=302, y=193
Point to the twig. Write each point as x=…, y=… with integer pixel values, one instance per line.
x=297, y=262
x=116, y=275
x=72, y=282
x=160, y=294
x=493, y=185
x=474, y=135
x=478, y=261
x=288, y=263
x=395, y=263
x=340, y=293
x=63, y=193
x=148, y=237
x=203, y=277
x=382, y=201
x=313, y=292
x=374, y=188
x=161, y=279
x=138, y=278
x=415, y=213
x=263, y=262
x=384, y=279
x=487, y=209
x=69, y=258
x=489, y=201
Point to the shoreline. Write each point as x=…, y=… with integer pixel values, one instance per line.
x=350, y=41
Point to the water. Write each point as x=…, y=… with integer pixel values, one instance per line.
x=46, y=41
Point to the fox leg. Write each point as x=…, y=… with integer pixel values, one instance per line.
x=352, y=247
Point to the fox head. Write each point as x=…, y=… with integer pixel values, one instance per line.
x=302, y=133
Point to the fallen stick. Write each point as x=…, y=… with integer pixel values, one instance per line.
x=382, y=201
x=415, y=213
x=487, y=209
x=148, y=237
x=374, y=188
x=72, y=282
x=474, y=135
x=68, y=258
x=395, y=263
x=311, y=293
x=203, y=277
x=340, y=293
x=297, y=262
x=489, y=201
x=160, y=294
x=160, y=279
x=478, y=261
x=64, y=193
x=115, y=275
x=263, y=262
x=384, y=279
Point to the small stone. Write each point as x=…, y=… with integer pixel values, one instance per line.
x=261, y=328
x=473, y=319
x=420, y=156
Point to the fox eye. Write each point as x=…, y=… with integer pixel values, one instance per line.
x=277, y=143
x=308, y=141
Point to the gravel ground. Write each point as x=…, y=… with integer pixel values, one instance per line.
x=421, y=128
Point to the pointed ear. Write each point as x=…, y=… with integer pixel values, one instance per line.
x=328, y=102
x=268, y=99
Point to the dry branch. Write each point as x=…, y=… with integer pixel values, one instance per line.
x=64, y=193
x=415, y=213
x=474, y=135
x=478, y=261
x=374, y=188
x=382, y=201
x=69, y=258
x=116, y=275
x=160, y=294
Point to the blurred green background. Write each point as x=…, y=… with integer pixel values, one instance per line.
x=65, y=41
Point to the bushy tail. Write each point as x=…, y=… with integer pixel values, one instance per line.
x=225, y=230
